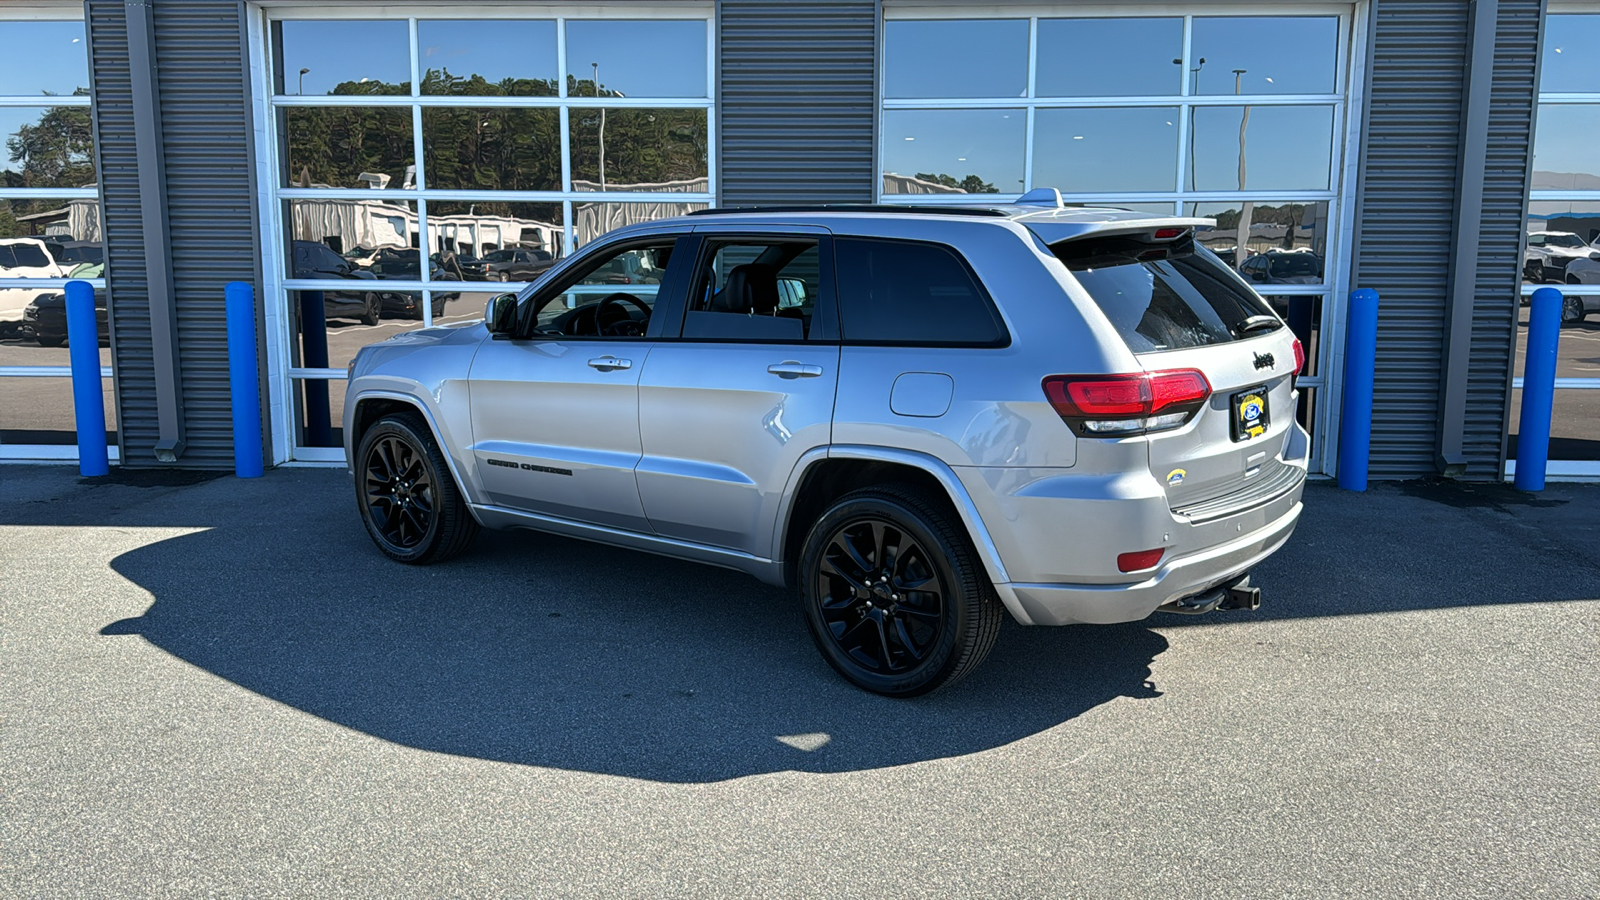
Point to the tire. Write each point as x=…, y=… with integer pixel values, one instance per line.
x=1535, y=272
x=51, y=341
x=502, y=276
x=1572, y=310
x=872, y=636
x=398, y=457
x=371, y=309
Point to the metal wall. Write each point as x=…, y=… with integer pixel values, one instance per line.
x=797, y=100
x=1412, y=138
x=205, y=136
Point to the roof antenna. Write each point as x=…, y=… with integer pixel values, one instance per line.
x=1042, y=197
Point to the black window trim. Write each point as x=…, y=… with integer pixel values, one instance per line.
x=1001, y=343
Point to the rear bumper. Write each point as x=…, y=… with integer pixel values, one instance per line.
x=1105, y=604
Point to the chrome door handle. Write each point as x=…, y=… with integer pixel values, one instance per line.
x=607, y=363
x=789, y=369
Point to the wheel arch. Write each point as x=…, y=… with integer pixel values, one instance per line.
x=826, y=474
x=372, y=406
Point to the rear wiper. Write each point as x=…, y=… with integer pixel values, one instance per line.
x=1256, y=323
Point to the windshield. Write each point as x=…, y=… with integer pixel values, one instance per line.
x=1184, y=297
x=1570, y=241
x=20, y=256
x=500, y=256
x=1295, y=265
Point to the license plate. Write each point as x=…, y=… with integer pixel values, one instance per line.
x=1250, y=416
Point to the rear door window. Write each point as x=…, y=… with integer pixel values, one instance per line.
x=757, y=289
x=1166, y=297
x=913, y=293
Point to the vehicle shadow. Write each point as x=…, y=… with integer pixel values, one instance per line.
x=545, y=651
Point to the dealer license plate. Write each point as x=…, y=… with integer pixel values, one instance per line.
x=1250, y=415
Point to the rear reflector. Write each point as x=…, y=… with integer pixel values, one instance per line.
x=1139, y=560
x=1165, y=234
x=1122, y=405
x=1299, y=357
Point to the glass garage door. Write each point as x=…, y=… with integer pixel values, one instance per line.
x=49, y=229
x=1563, y=236
x=1237, y=116
x=422, y=163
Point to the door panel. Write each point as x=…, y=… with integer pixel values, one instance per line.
x=556, y=428
x=722, y=426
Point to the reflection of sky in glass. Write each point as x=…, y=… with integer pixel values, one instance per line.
x=1106, y=150
x=1571, y=55
x=1108, y=57
x=43, y=57
x=494, y=49
x=1567, y=141
x=337, y=52
x=956, y=58
x=1286, y=148
x=1161, y=209
x=12, y=119
x=658, y=58
x=1281, y=54
x=957, y=142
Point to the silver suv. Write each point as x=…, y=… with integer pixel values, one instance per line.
x=917, y=416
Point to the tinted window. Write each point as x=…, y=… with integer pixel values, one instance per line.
x=1188, y=299
x=756, y=290
x=23, y=256
x=899, y=292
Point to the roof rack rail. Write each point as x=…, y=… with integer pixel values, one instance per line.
x=854, y=208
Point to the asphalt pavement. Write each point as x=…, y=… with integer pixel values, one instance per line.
x=215, y=686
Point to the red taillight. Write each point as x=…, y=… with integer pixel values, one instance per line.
x=1139, y=560
x=1121, y=405
x=1299, y=357
x=1165, y=234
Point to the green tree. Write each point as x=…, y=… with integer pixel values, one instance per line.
x=972, y=184
x=56, y=151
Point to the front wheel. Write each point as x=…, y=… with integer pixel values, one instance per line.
x=372, y=309
x=895, y=597
x=409, y=503
x=1572, y=310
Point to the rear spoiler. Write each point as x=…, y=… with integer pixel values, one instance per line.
x=1053, y=230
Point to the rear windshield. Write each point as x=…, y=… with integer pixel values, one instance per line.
x=1295, y=265
x=1166, y=297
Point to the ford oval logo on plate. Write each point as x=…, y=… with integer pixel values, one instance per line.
x=1175, y=477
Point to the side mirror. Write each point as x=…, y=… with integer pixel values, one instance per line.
x=791, y=293
x=1258, y=275
x=500, y=314
x=1595, y=256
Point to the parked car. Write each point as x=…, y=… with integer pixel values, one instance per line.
x=402, y=264
x=947, y=427
x=45, y=319
x=1283, y=267
x=515, y=264
x=313, y=259
x=69, y=254
x=1549, y=253
x=23, y=258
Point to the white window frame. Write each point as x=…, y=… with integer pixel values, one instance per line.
x=1346, y=99
x=53, y=12
x=1579, y=469
x=284, y=413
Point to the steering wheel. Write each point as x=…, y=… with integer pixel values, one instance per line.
x=620, y=327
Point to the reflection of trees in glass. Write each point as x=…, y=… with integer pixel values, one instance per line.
x=642, y=146
x=56, y=151
x=1288, y=214
x=492, y=148
x=439, y=82
x=972, y=184
x=333, y=145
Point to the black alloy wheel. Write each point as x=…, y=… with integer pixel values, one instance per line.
x=1572, y=309
x=372, y=309
x=409, y=503
x=896, y=599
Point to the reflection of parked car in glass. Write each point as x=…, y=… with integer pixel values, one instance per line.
x=1283, y=267
x=23, y=258
x=514, y=264
x=45, y=319
x=398, y=264
x=1574, y=307
x=1550, y=252
x=628, y=270
x=317, y=260
x=75, y=253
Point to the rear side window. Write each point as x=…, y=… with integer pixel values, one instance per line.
x=905, y=292
x=1166, y=298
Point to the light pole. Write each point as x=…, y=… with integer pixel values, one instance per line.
x=602, y=127
x=1246, y=209
x=302, y=88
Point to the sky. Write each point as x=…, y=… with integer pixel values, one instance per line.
x=43, y=57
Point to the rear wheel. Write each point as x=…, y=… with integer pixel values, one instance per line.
x=372, y=309
x=895, y=597
x=1572, y=310
x=409, y=503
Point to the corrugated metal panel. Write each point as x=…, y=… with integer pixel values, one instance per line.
x=1513, y=99
x=206, y=132
x=797, y=100
x=128, y=302
x=1406, y=211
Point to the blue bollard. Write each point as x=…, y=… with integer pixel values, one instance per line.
x=314, y=355
x=1538, y=389
x=1360, y=361
x=239, y=300
x=88, y=392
